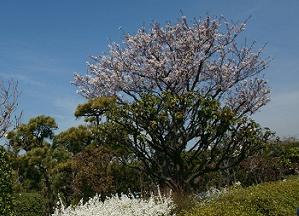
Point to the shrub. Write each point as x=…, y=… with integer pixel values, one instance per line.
x=275, y=161
x=273, y=198
x=30, y=204
x=90, y=164
x=121, y=206
x=5, y=184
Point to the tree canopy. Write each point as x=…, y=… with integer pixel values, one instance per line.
x=202, y=57
x=32, y=134
x=184, y=93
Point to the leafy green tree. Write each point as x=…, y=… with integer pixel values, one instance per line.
x=177, y=152
x=62, y=180
x=36, y=167
x=33, y=134
x=74, y=139
x=104, y=132
x=43, y=162
x=94, y=109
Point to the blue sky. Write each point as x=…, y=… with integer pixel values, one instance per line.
x=43, y=43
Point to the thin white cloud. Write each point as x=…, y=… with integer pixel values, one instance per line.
x=22, y=79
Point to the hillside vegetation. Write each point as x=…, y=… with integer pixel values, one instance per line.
x=273, y=198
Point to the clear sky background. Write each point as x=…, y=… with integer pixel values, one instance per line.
x=43, y=43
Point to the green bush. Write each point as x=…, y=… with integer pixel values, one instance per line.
x=29, y=204
x=5, y=184
x=278, y=198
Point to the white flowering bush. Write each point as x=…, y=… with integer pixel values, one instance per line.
x=123, y=205
x=211, y=194
x=214, y=193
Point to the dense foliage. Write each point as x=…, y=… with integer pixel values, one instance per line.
x=30, y=204
x=33, y=134
x=274, y=198
x=64, y=165
x=6, y=207
x=217, y=140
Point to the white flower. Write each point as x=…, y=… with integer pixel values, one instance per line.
x=124, y=205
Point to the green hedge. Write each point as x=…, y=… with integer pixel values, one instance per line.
x=5, y=184
x=278, y=198
x=29, y=204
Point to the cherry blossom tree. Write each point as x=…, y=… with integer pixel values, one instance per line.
x=185, y=93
